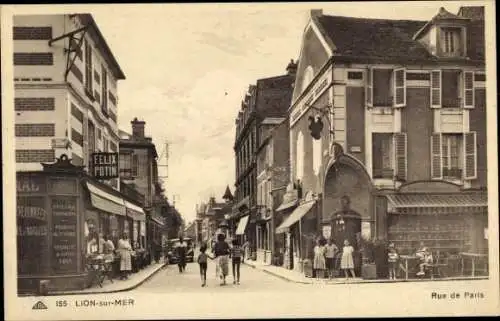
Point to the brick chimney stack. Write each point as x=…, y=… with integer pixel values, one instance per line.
x=316, y=13
x=291, y=69
x=138, y=128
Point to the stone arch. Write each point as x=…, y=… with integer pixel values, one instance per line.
x=345, y=175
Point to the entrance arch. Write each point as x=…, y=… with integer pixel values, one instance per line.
x=346, y=176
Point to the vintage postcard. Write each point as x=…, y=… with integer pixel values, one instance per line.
x=249, y=160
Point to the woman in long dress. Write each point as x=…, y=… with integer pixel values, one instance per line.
x=347, y=262
x=319, y=264
x=124, y=249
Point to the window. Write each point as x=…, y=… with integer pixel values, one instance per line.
x=454, y=156
x=451, y=41
x=386, y=87
x=91, y=139
x=104, y=103
x=452, y=89
x=105, y=145
x=383, y=152
x=125, y=165
x=452, y=163
x=88, y=70
x=389, y=156
x=135, y=165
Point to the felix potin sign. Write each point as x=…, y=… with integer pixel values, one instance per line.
x=105, y=165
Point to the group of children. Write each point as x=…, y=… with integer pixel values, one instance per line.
x=221, y=251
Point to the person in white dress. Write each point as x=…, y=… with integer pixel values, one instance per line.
x=347, y=262
x=125, y=250
x=319, y=264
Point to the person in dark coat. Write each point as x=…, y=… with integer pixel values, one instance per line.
x=181, y=249
x=381, y=257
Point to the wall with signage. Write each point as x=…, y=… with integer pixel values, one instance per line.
x=64, y=234
x=105, y=165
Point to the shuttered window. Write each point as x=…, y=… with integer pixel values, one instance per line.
x=369, y=88
x=399, y=87
x=436, y=89
x=436, y=159
x=468, y=85
x=104, y=103
x=470, y=155
x=88, y=68
x=400, y=156
x=135, y=165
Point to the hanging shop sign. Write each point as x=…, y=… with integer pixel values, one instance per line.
x=105, y=165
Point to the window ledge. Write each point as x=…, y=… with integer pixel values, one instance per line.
x=380, y=110
x=451, y=111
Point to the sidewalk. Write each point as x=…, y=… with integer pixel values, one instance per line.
x=297, y=277
x=134, y=280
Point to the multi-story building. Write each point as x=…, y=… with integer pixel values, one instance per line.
x=403, y=109
x=65, y=80
x=65, y=90
x=272, y=180
x=269, y=98
x=139, y=172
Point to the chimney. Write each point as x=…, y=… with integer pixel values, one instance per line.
x=316, y=13
x=138, y=128
x=291, y=69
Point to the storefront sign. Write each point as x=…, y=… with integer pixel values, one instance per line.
x=62, y=186
x=64, y=234
x=105, y=165
x=30, y=184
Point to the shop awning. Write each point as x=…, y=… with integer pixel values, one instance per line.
x=157, y=220
x=421, y=200
x=242, y=225
x=105, y=201
x=135, y=212
x=296, y=215
x=284, y=206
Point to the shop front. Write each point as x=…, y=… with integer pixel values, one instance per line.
x=299, y=229
x=240, y=232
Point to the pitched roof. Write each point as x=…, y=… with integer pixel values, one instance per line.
x=472, y=12
x=374, y=37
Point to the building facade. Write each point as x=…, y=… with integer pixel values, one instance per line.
x=391, y=114
x=272, y=180
x=139, y=172
x=269, y=98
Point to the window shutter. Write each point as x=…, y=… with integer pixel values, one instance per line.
x=468, y=83
x=436, y=89
x=399, y=77
x=436, y=159
x=135, y=165
x=400, y=165
x=470, y=155
x=369, y=87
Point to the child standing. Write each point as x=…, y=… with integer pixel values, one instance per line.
x=347, y=262
x=393, y=261
x=202, y=261
x=319, y=264
x=236, y=255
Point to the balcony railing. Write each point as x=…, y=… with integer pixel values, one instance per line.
x=383, y=101
x=452, y=102
x=387, y=173
x=455, y=173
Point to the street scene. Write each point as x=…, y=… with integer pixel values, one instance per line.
x=321, y=152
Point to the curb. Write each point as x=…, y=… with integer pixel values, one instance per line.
x=367, y=281
x=107, y=291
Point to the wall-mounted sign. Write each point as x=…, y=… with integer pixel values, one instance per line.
x=105, y=165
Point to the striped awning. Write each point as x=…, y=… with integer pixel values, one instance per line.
x=135, y=212
x=242, y=224
x=284, y=206
x=421, y=200
x=295, y=216
x=105, y=201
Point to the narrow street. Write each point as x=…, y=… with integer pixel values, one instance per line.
x=170, y=280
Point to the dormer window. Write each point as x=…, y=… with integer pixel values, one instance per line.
x=451, y=41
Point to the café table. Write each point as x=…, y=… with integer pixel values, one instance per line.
x=407, y=258
x=96, y=268
x=473, y=257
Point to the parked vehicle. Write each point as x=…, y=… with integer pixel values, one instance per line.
x=171, y=254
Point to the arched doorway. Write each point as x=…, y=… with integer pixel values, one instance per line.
x=347, y=177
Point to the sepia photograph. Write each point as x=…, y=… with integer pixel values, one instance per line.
x=250, y=160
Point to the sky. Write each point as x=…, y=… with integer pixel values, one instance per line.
x=188, y=67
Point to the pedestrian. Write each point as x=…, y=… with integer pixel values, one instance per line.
x=245, y=250
x=221, y=253
x=393, y=259
x=319, y=264
x=181, y=249
x=236, y=255
x=331, y=251
x=108, y=249
x=202, y=262
x=347, y=262
x=425, y=259
x=125, y=251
